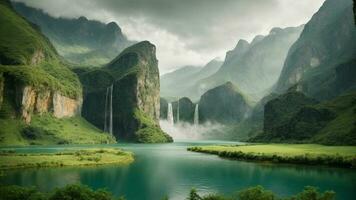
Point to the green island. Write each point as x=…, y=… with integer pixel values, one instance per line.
x=85, y=157
x=308, y=154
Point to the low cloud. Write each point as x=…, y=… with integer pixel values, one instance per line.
x=187, y=32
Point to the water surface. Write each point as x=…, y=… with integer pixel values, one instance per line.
x=169, y=170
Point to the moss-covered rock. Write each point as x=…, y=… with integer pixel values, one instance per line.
x=293, y=117
x=134, y=79
x=223, y=104
x=186, y=110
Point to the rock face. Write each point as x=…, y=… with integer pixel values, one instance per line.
x=186, y=110
x=223, y=104
x=28, y=100
x=163, y=108
x=134, y=77
x=327, y=41
x=254, y=67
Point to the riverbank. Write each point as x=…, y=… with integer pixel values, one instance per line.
x=307, y=154
x=87, y=157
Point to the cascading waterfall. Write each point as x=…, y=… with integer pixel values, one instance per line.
x=170, y=114
x=196, y=115
x=108, y=107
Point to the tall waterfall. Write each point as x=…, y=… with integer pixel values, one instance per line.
x=170, y=113
x=196, y=114
x=178, y=112
x=108, y=107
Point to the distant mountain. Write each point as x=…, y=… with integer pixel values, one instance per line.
x=254, y=67
x=179, y=82
x=327, y=44
x=223, y=104
x=81, y=41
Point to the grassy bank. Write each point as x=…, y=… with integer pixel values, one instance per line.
x=308, y=154
x=13, y=160
x=48, y=130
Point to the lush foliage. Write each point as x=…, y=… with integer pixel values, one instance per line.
x=46, y=129
x=11, y=159
x=82, y=192
x=259, y=193
x=338, y=156
x=149, y=131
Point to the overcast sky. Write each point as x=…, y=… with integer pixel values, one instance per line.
x=187, y=32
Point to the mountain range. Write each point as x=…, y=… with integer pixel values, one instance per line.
x=80, y=41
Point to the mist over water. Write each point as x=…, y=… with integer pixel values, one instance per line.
x=185, y=130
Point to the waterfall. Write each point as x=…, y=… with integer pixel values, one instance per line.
x=108, y=107
x=196, y=114
x=178, y=112
x=170, y=114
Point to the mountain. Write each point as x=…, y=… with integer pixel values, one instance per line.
x=40, y=97
x=179, y=82
x=81, y=41
x=327, y=42
x=254, y=67
x=123, y=97
x=294, y=117
x=223, y=104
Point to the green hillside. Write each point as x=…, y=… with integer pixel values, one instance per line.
x=27, y=58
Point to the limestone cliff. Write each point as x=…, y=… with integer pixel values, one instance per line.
x=223, y=104
x=28, y=100
x=126, y=92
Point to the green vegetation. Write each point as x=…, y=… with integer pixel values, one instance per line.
x=75, y=191
x=19, y=40
x=259, y=193
x=46, y=129
x=29, y=56
x=12, y=160
x=295, y=118
x=149, y=131
x=82, y=192
x=309, y=154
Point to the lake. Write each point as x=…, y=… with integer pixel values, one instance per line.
x=169, y=170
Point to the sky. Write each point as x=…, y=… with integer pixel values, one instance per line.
x=187, y=32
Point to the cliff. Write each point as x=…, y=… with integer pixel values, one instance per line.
x=186, y=110
x=132, y=79
x=223, y=104
x=37, y=88
x=327, y=41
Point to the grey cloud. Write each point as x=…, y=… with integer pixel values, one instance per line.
x=203, y=28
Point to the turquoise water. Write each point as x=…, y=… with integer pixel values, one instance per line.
x=168, y=169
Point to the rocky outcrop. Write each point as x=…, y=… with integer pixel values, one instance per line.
x=327, y=41
x=186, y=110
x=28, y=100
x=134, y=78
x=223, y=104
